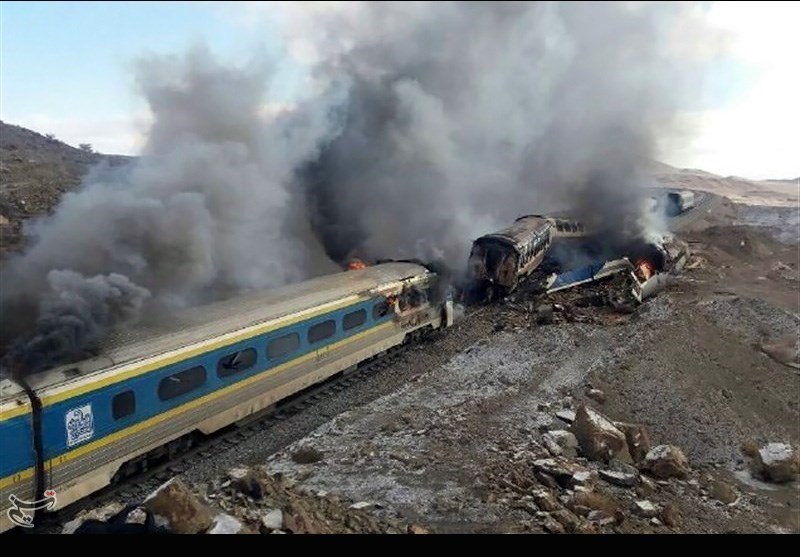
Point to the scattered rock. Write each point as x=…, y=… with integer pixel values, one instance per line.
x=360, y=505
x=750, y=448
x=227, y=524
x=601, y=518
x=566, y=415
x=273, y=520
x=596, y=434
x=596, y=501
x=670, y=515
x=667, y=461
x=623, y=479
x=584, y=478
x=723, y=492
x=307, y=455
x=646, y=487
x=777, y=462
x=637, y=439
x=645, y=509
x=564, y=440
x=785, y=350
x=184, y=513
x=417, y=529
x=246, y=481
x=552, y=525
x=544, y=500
x=569, y=521
x=102, y=513
x=597, y=395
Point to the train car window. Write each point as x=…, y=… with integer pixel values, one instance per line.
x=123, y=404
x=181, y=383
x=321, y=331
x=354, y=319
x=381, y=309
x=283, y=345
x=236, y=362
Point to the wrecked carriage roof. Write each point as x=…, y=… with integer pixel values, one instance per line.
x=194, y=325
x=519, y=233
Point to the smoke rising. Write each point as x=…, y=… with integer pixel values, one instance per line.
x=461, y=116
x=428, y=124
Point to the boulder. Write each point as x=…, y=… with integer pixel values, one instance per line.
x=666, y=461
x=777, y=462
x=596, y=434
x=183, y=512
x=637, y=439
x=670, y=515
x=560, y=441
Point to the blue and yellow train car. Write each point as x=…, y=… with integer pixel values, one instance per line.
x=202, y=370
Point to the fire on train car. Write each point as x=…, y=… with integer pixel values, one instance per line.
x=499, y=260
x=152, y=390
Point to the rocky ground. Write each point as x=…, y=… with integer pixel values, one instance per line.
x=35, y=171
x=682, y=416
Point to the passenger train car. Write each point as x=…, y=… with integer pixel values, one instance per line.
x=499, y=260
x=71, y=430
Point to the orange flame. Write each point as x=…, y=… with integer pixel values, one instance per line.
x=356, y=265
x=645, y=268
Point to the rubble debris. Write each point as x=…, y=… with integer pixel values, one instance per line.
x=584, y=478
x=568, y=520
x=645, y=509
x=777, y=463
x=590, y=273
x=622, y=479
x=417, y=529
x=559, y=469
x=666, y=461
x=646, y=487
x=183, y=512
x=596, y=501
x=637, y=439
x=597, y=437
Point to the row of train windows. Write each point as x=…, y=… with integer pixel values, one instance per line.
x=177, y=384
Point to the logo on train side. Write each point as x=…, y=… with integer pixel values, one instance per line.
x=21, y=513
x=80, y=424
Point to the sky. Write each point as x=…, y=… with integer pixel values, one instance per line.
x=65, y=69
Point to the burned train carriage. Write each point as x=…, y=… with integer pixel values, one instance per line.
x=499, y=260
x=70, y=431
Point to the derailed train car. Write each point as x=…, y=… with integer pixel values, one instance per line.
x=150, y=391
x=499, y=260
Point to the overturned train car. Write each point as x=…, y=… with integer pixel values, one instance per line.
x=499, y=260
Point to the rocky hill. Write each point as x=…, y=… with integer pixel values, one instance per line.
x=35, y=170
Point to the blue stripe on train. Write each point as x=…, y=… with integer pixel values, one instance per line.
x=16, y=445
x=145, y=386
